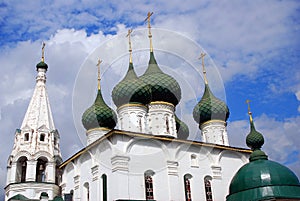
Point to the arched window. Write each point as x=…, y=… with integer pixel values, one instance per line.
x=21, y=169
x=42, y=137
x=140, y=123
x=26, y=137
x=55, y=141
x=86, y=193
x=41, y=170
x=167, y=124
x=104, y=186
x=194, y=161
x=149, y=185
x=208, y=191
x=187, y=187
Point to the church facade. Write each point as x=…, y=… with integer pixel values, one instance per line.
x=141, y=151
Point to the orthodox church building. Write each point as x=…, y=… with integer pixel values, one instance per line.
x=141, y=151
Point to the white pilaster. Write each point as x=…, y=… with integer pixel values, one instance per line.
x=76, y=187
x=132, y=117
x=161, y=119
x=173, y=179
x=12, y=177
x=120, y=173
x=215, y=132
x=31, y=170
x=50, y=172
x=95, y=183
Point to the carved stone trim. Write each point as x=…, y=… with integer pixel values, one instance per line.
x=172, y=168
x=217, y=171
x=120, y=163
x=95, y=172
x=76, y=181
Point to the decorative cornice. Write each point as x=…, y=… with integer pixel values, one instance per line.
x=148, y=136
x=131, y=105
x=161, y=103
x=213, y=121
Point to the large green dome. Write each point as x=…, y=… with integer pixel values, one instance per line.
x=262, y=179
x=131, y=90
x=99, y=115
x=210, y=108
x=163, y=86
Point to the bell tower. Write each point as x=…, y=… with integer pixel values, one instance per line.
x=33, y=163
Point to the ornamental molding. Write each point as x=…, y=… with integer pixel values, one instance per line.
x=120, y=163
x=172, y=168
x=216, y=171
x=95, y=172
x=131, y=106
x=161, y=106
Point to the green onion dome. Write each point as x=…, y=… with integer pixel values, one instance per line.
x=163, y=87
x=254, y=139
x=262, y=179
x=42, y=65
x=131, y=90
x=210, y=108
x=99, y=115
x=182, y=129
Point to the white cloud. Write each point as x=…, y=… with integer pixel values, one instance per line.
x=298, y=98
x=281, y=138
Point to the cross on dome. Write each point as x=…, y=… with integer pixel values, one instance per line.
x=202, y=55
x=99, y=77
x=129, y=41
x=43, y=51
x=249, y=111
x=148, y=18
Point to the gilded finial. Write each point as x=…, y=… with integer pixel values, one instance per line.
x=202, y=55
x=43, y=52
x=249, y=111
x=130, y=49
x=149, y=28
x=99, y=78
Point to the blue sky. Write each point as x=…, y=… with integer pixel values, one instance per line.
x=255, y=46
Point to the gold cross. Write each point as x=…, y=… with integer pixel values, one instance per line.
x=148, y=17
x=202, y=55
x=99, y=78
x=249, y=110
x=130, y=50
x=149, y=28
x=43, y=51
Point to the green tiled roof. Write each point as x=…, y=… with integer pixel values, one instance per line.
x=131, y=90
x=163, y=87
x=99, y=115
x=209, y=108
x=254, y=139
